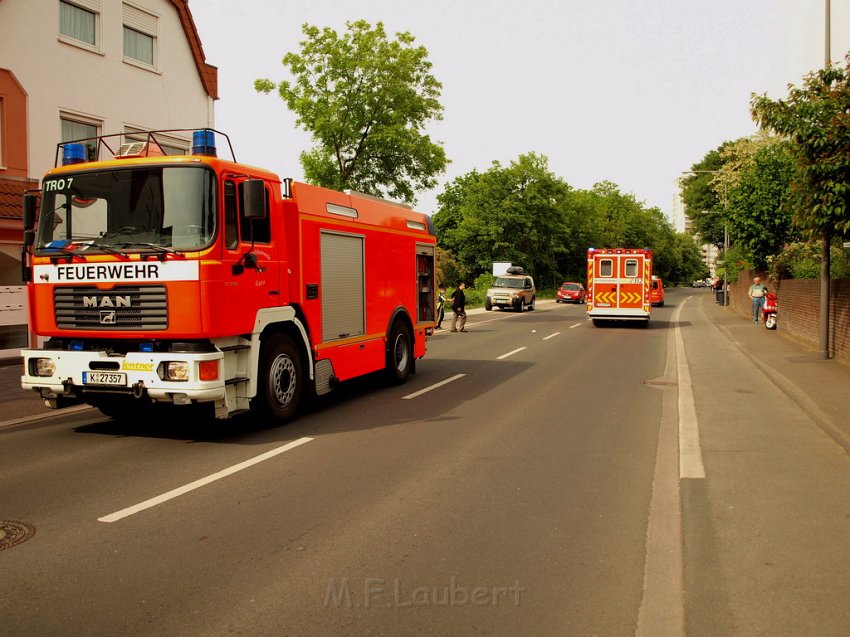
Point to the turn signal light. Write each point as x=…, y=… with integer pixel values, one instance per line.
x=208, y=370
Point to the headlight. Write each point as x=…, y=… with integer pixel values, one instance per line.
x=177, y=371
x=43, y=367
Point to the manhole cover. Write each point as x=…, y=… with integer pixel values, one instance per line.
x=12, y=533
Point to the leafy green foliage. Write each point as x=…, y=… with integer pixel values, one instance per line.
x=701, y=197
x=815, y=118
x=802, y=261
x=687, y=263
x=366, y=100
x=524, y=214
x=756, y=181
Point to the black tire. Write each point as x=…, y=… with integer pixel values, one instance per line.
x=487, y=305
x=399, y=354
x=533, y=301
x=770, y=321
x=280, y=382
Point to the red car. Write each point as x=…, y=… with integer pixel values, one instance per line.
x=570, y=293
x=656, y=292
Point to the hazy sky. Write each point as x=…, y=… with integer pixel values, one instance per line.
x=628, y=91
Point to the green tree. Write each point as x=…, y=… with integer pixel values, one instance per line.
x=687, y=263
x=524, y=214
x=815, y=117
x=619, y=220
x=508, y=213
x=450, y=210
x=700, y=195
x=366, y=100
x=756, y=184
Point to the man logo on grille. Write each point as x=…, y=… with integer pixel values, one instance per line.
x=107, y=317
x=107, y=301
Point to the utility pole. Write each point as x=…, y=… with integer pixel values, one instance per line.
x=826, y=239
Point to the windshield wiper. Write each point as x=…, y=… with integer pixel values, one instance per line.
x=152, y=246
x=105, y=248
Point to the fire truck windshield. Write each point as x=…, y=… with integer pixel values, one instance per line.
x=131, y=209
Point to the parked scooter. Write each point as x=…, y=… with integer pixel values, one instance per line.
x=768, y=311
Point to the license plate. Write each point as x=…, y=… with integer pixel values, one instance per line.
x=104, y=378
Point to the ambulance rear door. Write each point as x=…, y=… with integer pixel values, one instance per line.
x=619, y=285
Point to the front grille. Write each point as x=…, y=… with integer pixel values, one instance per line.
x=124, y=307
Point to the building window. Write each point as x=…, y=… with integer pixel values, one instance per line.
x=73, y=130
x=140, y=36
x=79, y=23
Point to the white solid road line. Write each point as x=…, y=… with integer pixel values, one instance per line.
x=574, y=326
x=147, y=504
x=432, y=387
x=690, y=452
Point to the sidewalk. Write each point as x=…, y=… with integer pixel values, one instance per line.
x=819, y=387
x=766, y=529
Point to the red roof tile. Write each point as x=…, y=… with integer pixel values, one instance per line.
x=207, y=72
x=11, y=191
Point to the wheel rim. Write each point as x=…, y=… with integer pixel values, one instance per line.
x=401, y=353
x=282, y=380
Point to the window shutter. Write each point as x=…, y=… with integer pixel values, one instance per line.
x=141, y=21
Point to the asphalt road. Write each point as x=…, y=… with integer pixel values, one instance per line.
x=528, y=480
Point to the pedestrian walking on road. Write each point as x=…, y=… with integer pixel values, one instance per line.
x=459, y=308
x=757, y=292
x=441, y=307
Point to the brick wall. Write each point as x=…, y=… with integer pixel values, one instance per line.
x=799, y=308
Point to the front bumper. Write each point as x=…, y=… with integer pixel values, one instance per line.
x=136, y=373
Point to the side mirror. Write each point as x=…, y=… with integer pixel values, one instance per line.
x=254, y=198
x=30, y=209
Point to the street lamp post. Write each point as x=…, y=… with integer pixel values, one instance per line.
x=725, y=264
x=725, y=236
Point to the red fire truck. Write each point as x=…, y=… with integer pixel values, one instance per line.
x=618, y=284
x=195, y=280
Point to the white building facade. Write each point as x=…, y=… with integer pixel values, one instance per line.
x=71, y=69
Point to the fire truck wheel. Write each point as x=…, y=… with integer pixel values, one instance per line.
x=281, y=379
x=399, y=354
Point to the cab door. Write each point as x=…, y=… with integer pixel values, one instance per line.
x=250, y=256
